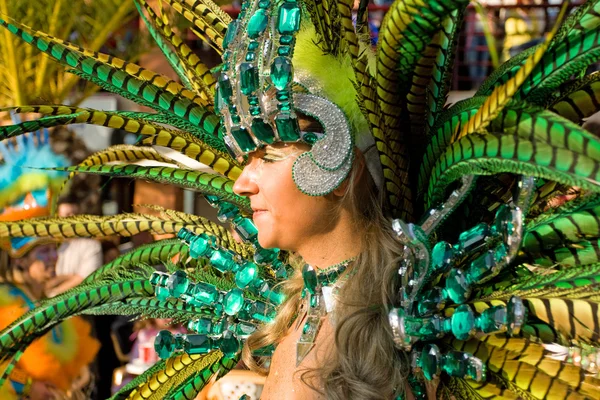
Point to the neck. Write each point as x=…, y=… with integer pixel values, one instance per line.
x=334, y=246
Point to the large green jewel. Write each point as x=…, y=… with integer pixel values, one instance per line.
x=481, y=267
x=197, y=344
x=161, y=293
x=260, y=311
x=287, y=128
x=473, y=238
x=164, y=344
x=243, y=139
x=430, y=301
x=248, y=78
x=229, y=345
x=430, y=361
x=456, y=363
x=233, y=302
x=230, y=34
x=178, y=283
x=492, y=320
x=441, y=257
x=262, y=131
x=244, y=329
x=225, y=89
x=265, y=256
x=227, y=211
x=310, y=278
x=289, y=18
x=204, y=293
x=457, y=288
x=202, y=326
x=246, y=275
x=245, y=228
x=463, y=322
x=223, y=261
x=281, y=72
x=258, y=23
x=157, y=277
x=516, y=314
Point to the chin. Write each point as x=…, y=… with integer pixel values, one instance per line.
x=267, y=241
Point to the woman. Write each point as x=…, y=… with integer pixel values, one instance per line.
x=336, y=151
x=56, y=365
x=354, y=355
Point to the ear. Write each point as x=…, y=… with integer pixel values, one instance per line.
x=358, y=169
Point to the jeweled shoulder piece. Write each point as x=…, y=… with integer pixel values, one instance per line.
x=258, y=106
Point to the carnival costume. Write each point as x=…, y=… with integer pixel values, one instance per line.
x=498, y=290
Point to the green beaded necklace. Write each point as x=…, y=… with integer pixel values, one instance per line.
x=318, y=289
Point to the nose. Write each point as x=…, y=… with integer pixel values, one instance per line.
x=246, y=183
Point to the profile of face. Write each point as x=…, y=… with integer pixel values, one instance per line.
x=40, y=263
x=67, y=210
x=284, y=216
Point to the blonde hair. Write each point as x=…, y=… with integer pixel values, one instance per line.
x=366, y=364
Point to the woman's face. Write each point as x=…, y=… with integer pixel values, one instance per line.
x=284, y=216
x=42, y=261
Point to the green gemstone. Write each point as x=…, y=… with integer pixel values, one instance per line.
x=227, y=211
x=430, y=301
x=284, y=106
x=245, y=228
x=255, y=111
x=253, y=100
x=441, y=257
x=185, y=234
x=243, y=139
x=423, y=328
x=310, y=138
x=250, y=56
x=281, y=272
x=218, y=328
x=306, y=329
x=286, y=39
x=516, y=314
x=214, y=201
x=258, y=23
x=178, y=283
x=481, y=267
x=456, y=363
x=229, y=345
x=223, y=261
x=235, y=119
x=287, y=128
x=310, y=278
x=155, y=277
x=253, y=45
x=430, y=361
x=164, y=344
x=243, y=329
x=233, y=302
x=492, y=320
x=475, y=237
x=204, y=293
x=457, y=288
x=264, y=3
x=463, y=322
x=248, y=78
x=225, y=89
x=262, y=131
x=284, y=50
x=282, y=95
x=265, y=256
x=197, y=344
x=230, y=34
x=200, y=246
x=260, y=311
x=281, y=72
x=289, y=18
x=219, y=103
x=161, y=293
x=202, y=326
x=246, y=275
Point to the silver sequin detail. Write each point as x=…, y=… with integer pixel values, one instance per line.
x=316, y=181
x=331, y=152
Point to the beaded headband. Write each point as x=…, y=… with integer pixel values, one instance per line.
x=257, y=97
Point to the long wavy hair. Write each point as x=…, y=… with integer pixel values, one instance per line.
x=365, y=364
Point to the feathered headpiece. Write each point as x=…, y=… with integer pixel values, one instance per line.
x=490, y=276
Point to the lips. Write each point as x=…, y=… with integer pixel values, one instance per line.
x=257, y=212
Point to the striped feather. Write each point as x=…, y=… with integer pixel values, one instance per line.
x=202, y=182
x=578, y=101
x=185, y=61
